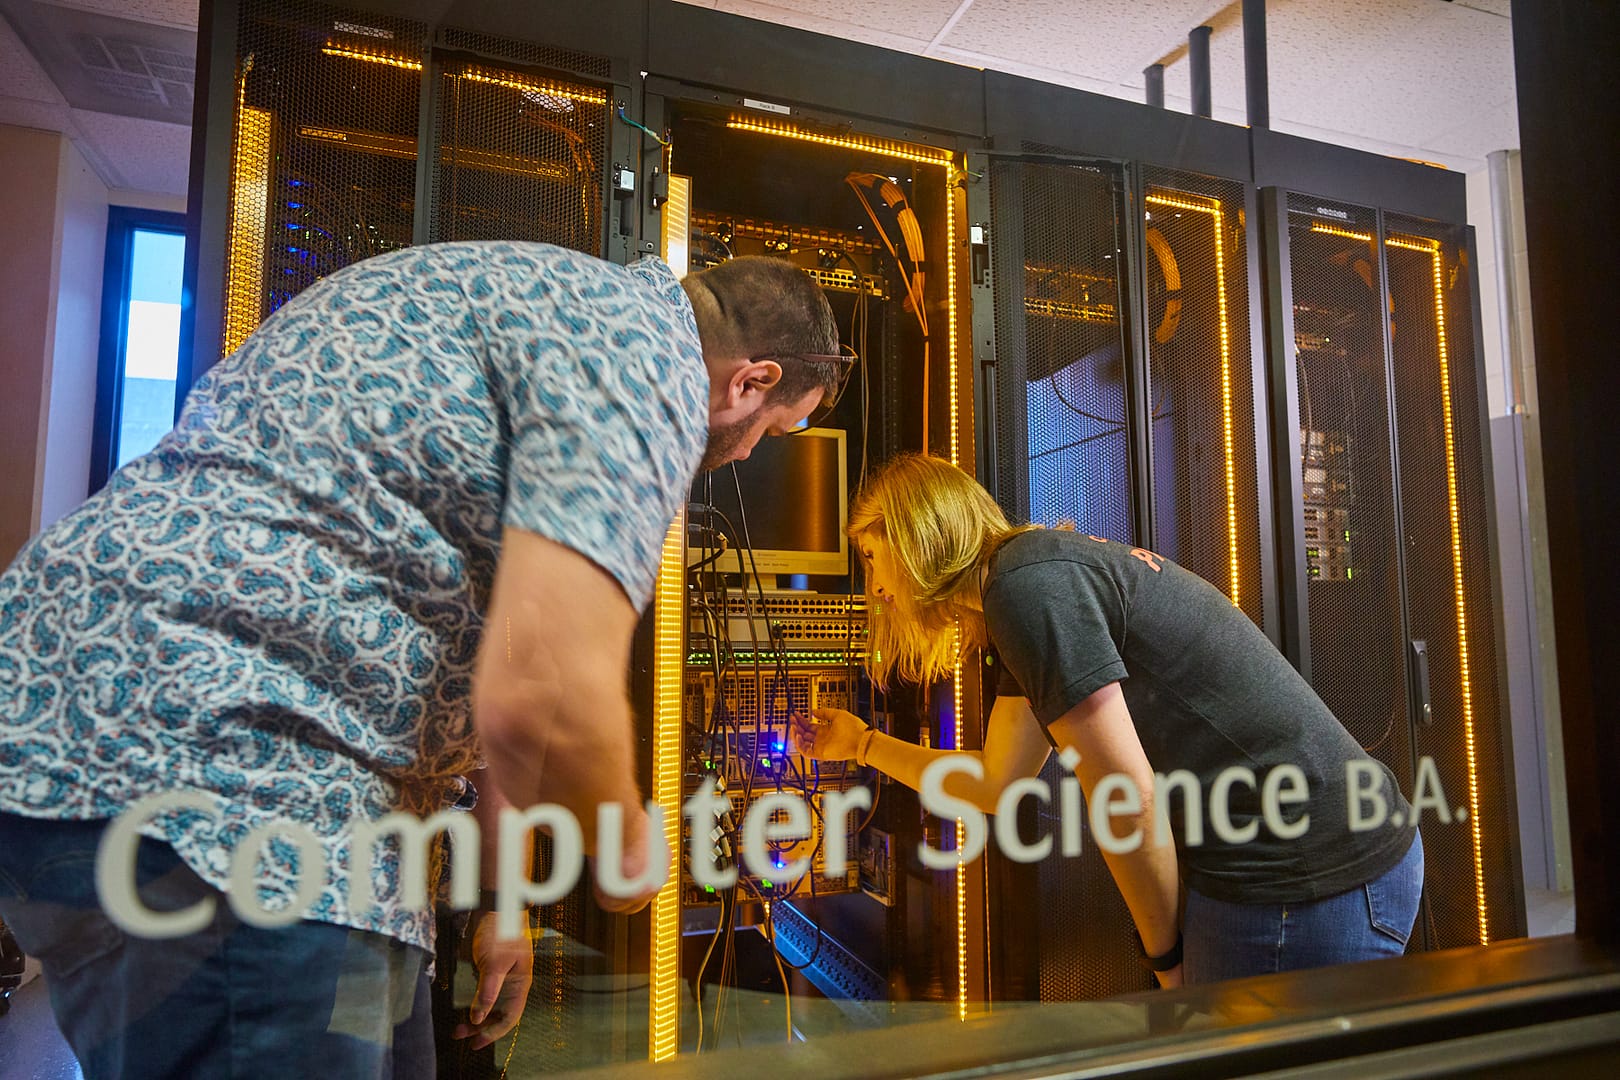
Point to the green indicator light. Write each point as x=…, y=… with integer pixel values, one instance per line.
x=1348, y=573
x=1347, y=534
x=708, y=888
x=767, y=884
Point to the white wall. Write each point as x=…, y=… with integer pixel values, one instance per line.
x=81, y=214
x=1515, y=442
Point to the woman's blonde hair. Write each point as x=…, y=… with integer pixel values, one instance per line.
x=941, y=526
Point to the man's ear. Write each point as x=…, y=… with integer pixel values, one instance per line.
x=751, y=381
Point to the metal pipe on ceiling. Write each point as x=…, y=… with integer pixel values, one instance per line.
x=1198, y=68
x=1153, y=75
x=1256, y=86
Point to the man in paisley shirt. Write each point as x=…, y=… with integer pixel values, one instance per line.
x=403, y=532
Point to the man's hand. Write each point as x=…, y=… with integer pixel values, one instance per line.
x=505, y=969
x=826, y=734
x=633, y=863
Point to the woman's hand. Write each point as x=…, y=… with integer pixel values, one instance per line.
x=826, y=734
x=1169, y=979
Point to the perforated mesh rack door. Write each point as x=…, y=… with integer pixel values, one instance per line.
x=1472, y=868
x=323, y=152
x=1061, y=434
x=1206, y=497
x=1342, y=432
x=520, y=156
x=1061, y=424
x=528, y=53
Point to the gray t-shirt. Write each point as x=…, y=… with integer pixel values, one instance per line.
x=1069, y=614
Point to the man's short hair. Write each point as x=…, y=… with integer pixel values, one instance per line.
x=770, y=307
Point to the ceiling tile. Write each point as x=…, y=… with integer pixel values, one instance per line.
x=20, y=74
x=1396, y=71
x=147, y=155
x=1028, y=71
x=911, y=20
x=878, y=27
x=180, y=13
x=107, y=64
x=1105, y=40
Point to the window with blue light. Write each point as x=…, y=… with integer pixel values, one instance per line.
x=138, y=380
x=151, y=343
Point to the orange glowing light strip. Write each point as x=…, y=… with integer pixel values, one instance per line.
x=961, y=839
x=575, y=93
x=887, y=147
x=950, y=308
x=372, y=58
x=1218, y=223
x=956, y=673
x=250, y=198
x=1334, y=230
x=669, y=599
x=1432, y=248
x=669, y=653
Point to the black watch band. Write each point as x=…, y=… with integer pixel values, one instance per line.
x=1164, y=961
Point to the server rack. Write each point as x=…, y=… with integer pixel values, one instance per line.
x=1386, y=527
x=1116, y=333
x=771, y=142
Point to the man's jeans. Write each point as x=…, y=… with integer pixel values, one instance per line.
x=1227, y=941
x=230, y=1001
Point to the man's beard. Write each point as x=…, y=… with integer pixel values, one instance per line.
x=723, y=440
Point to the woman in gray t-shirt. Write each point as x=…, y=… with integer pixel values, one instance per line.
x=1205, y=759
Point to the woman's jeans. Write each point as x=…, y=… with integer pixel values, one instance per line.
x=232, y=1000
x=1227, y=941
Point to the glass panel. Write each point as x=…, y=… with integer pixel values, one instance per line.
x=151, y=343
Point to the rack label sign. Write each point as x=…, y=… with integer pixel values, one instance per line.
x=767, y=106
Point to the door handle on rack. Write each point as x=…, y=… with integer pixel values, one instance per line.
x=1420, y=681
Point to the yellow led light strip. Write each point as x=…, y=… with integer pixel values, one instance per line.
x=1432, y=248
x=925, y=155
x=956, y=673
x=961, y=835
x=250, y=198
x=950, y=308
x=372, y=58
x=664, y=984
x=669, y=651
x=674, y=223
x=1334, y=230
x=1218, y=223
x=574, y=93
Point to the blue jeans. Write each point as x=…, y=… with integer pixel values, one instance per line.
x=232, y=1000
x=1224, y=940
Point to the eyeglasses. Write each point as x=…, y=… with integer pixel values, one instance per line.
x=845, y=358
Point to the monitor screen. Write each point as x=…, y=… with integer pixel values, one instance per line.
x=795, y=497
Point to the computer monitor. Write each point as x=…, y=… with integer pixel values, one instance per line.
x=796, y=497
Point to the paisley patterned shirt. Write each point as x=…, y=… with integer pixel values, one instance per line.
x=279, y=606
